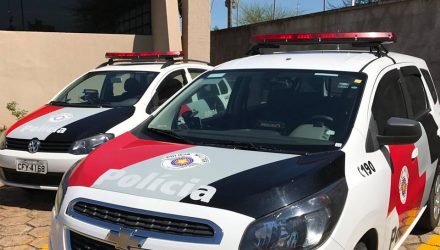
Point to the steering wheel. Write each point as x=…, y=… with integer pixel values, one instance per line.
x=322, y=120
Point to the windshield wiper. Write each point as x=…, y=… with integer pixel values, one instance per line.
x=56, y=103
x=170, y=134
x=252, y=146
x=85, y=104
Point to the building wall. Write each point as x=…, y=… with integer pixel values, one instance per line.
x=196, y=29
x=416, y=23
x=34, y=66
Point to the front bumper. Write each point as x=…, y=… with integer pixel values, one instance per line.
x=58, y=163
x=232, y=224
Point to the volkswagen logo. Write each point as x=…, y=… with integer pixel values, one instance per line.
x=34, y=145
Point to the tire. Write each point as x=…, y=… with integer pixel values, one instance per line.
x=431, y=216
x=360, y=246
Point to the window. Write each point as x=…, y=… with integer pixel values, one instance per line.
x=106, y=88
x=281, y=109
x=388, y=100
x=79, y=16
x=430, y=84
x=169, y=86
x=195, y=72
x=416, y=91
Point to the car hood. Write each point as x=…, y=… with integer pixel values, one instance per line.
x=67, y=124
x=248, y=182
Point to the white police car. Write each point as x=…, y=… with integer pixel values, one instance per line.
x=314, y=150
x=93, y=109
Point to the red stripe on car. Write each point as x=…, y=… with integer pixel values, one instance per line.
x=46, y=109
x=119, y=153
x=407, y=189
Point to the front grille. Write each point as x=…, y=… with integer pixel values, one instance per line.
x=49, y=179
x=80, y=242
x=141, y=221
x=45, y=146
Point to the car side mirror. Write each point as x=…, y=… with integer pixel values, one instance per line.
x=400, y=131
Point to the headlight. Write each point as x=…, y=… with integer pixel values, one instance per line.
x=62, y=188
x=2, y=141
x=87, y=145
x=301, y=225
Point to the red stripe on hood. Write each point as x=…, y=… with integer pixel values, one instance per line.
x=46, y=109
x=119, y=153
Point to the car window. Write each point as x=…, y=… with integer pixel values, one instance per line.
x=430, y=83
x=222, y=86
x=89, y=88
x=167, y=88
x=195, y=72
x=388, y=100
x=280, y=108
x=110, y=88
x=416, y=91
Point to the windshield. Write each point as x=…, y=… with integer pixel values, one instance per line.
x=280, y=110
x=106, y=88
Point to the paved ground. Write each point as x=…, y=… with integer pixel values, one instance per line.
x=25, y=222
x=24, y=218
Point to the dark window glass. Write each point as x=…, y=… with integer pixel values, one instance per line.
x=169, y=86
x=79, y=16
x=388, y=101
x=266, y=109
x=430, y=84
x=223, y=87
x=416, y=91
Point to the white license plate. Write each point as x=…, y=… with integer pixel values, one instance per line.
x=31, y=166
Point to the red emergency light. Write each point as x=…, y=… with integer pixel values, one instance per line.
x=328, y=38
x=143, y=55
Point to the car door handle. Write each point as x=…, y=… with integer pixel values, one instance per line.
x=415, y=154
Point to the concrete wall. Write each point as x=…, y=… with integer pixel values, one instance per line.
x=34, y=66
x=196, y=29
x=166, y=25
x=416, y=23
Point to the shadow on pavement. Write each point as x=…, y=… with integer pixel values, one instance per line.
x=27, y=198
x=418, y=231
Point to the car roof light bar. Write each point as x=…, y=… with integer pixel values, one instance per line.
x=143, y=55
x=328, y=38
x=374, y=40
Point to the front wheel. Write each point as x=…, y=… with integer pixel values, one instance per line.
x=431, y=216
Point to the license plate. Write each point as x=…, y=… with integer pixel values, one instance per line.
x=31, y=166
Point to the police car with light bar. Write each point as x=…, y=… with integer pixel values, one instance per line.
x=313, y=150
x=93, y=109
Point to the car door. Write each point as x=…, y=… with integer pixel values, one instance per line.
x=407, y=179
x=419, y=107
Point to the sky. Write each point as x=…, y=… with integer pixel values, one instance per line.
x=219, y=11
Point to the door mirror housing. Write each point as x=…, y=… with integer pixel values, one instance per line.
x=399, y=131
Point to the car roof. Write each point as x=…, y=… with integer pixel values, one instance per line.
x=350, y=61
x=149, y=66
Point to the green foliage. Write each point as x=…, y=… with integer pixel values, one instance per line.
x=255, y=13
x=15, y=111
x=332, y=4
